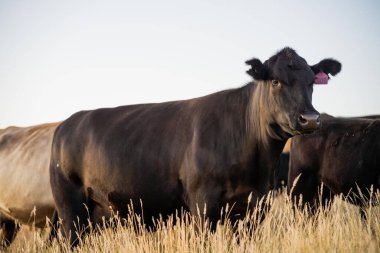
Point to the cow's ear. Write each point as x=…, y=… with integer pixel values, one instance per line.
x=258, y=70
x=328, y=66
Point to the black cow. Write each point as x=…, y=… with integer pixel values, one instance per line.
x=344, y=155
x=215, y=149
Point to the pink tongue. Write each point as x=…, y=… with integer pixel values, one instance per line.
x=321, y=78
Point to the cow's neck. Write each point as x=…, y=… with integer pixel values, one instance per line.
x=266, y=141
x=261, y=126
x=260, y=132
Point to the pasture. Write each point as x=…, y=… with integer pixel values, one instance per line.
x=338, y=228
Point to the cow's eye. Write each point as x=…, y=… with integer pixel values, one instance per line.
x=275, y=83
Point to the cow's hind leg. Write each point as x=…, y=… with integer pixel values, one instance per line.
x=71, y=204
x=9, y=229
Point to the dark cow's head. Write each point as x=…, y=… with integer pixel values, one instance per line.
x=287, y=81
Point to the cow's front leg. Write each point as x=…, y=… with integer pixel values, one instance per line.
x=303, y=189
x=205, y=201
x=243, y=201
x=70, y=204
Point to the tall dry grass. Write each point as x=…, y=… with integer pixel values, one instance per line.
x=338, y=228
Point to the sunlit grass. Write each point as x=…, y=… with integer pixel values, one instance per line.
x=338, y=228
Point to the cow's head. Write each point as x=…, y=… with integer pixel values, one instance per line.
x=286, y=86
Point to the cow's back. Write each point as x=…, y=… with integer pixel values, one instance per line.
x=24, y=173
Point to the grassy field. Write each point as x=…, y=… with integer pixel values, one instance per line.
x=337, y=228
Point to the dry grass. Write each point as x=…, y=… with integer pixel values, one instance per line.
x=338, y=228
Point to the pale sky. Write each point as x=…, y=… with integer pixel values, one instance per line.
x=60, y=57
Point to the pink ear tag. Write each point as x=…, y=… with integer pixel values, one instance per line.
x=321, y=78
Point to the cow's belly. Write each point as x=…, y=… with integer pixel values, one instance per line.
x=345, y=179
x=153, y=196
x=28, y=215
x=25, y=195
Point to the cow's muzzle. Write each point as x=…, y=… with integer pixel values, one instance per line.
x=309, y=122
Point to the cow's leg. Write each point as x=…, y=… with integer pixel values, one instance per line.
x=305, y=190
x=359, y=200
x=9, y=230
x=363, y=213
x=206, y=202
x=54, y=227
x=247, y=201
x=70, y=204
x=326, y=197
x=370, y=200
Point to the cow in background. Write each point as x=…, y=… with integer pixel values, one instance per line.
x=25, y=193
x=344, y=155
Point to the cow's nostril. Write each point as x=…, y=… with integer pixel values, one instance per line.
x=302, y=120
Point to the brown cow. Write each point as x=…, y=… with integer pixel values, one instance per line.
x=25, y=193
